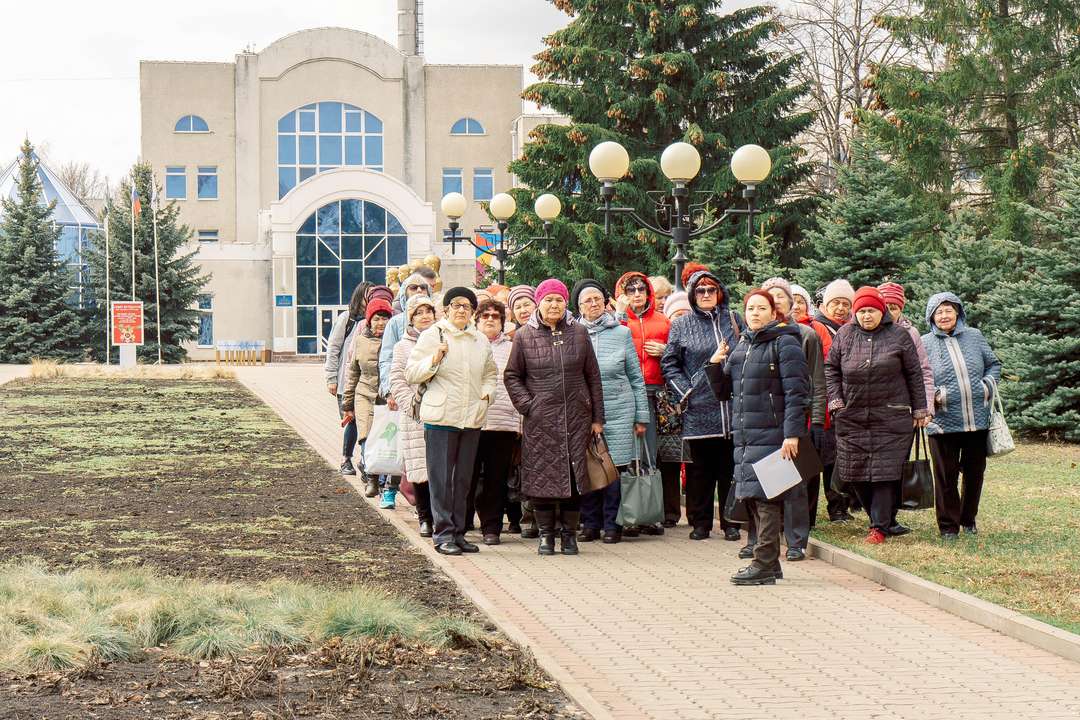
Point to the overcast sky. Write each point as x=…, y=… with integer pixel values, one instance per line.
x=69, y=68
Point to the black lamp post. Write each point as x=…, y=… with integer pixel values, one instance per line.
x=609, y=162
x=503, y=207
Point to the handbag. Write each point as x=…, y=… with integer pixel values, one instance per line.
x=642, y=501
x=418, y=396
x=601, y=468
x=408, y=490
x=735, y=510
x=999, y=440
x=917, y=478
x=382, y=449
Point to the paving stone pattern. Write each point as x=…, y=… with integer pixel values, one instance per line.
x=651, y=627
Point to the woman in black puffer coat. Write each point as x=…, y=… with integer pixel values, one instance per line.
x=768, y=382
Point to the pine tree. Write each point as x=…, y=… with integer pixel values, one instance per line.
x=1035, y=323
x=647, y=73
x=36, y=320
x=866, y=232
x=180, y=278
x=989, y=90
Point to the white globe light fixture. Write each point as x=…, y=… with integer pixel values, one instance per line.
x=454, y=205
x=680, y=162
x=547, y=207
x=502, y=207
x=609, y=161
x=751, y=164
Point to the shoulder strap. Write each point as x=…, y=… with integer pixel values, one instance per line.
x=349, y=325
x=774, y=352
x=734, y=324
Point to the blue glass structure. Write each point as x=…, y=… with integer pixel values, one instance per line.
x=325, y=135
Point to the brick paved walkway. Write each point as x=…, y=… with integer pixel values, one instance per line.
x=651, y=628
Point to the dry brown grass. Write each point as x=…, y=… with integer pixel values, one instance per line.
x=51, y=369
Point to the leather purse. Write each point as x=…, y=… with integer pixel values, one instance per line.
x=917, y=479
x=601, y=468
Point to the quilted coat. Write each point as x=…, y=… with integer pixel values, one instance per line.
x=875, y=388
x=413, y=450
x=339, y=348
x=924, y=361
x=810, y=343
x=649, y=326
x=395, y=329
x=767, y=379
x=502, y=416
x=554, y=382
x=462, y=386
x=362, y=381
x=966, y=372
x=693, y=339
x=625, y=401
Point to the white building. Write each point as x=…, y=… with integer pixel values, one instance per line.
x=319, y=162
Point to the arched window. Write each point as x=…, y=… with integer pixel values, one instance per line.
x=467, y=126
x=191, y=124
x=326, y=135
x=339, y=246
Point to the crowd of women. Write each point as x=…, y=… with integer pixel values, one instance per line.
x=501, y=391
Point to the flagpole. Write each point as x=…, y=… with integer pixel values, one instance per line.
x=157, y=283
x=108, y=303
x=133, y=200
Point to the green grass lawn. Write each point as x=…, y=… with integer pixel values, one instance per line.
x=1026, y=556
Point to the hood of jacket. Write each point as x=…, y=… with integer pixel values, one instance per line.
x=449, y=328
x=650, y=304
x=691, y=287
x=935, y=302
x=534, y=319
x=414, y=279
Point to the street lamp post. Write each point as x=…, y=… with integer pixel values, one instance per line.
x=680, y=162
x=503, y=207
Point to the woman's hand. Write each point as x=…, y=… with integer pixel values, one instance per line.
x=391, y=402
x=440, y=353
x=790, y=449
x=639, y=429
x=921, y=422
x=347, y=418
x=598, y=428
x=332, y=389
x=654, y=349
x=721, y=353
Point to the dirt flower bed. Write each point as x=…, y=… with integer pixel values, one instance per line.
x=199, y=479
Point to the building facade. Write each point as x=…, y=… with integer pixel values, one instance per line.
x=317, y=163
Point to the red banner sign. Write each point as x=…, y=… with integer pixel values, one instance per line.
x=127, y=323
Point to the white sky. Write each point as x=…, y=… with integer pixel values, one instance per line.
x=69, y=68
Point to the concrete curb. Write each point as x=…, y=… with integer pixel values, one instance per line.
x=1008, y=622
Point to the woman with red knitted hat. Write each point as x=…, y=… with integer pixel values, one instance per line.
x=876, y=396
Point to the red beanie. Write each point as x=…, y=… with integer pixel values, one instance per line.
x=378, y=305
x=690, y=269
x=868, y=296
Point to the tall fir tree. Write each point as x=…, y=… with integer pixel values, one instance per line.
x=647, y=73
x=990, y=88
x=36, y=320
x=180, y=278
x=1035, y=324
x=866, y=232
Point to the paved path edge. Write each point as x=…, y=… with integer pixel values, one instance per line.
x=995, y=617
x=574, y=689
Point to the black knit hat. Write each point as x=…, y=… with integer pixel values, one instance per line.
x=456, y=292
x=580, y=286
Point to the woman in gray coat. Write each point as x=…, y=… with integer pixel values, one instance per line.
x=626, y=405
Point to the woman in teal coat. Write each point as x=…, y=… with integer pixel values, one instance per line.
x=626, y=405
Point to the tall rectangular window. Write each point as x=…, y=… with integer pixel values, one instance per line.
x=175, y=183
x=451, y=180
x=207, y=182
x=206, y=321
x=483, y=184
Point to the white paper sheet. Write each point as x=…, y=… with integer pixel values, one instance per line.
x=776, y=474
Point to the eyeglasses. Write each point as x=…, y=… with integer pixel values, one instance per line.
x=490, y=316
x=637, y=290
x=705, y=291
x=592, y=300
x=461, y=306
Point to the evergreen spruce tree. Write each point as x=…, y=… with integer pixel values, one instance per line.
x=1035, y=323
x=180, y=278
x=36, y=320
x=647, y=73
x=866, y=232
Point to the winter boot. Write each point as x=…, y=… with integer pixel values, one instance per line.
x=570, y=520
x=545, y=521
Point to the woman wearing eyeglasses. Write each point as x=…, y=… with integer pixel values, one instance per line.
x=455, y=362
x=553, y=380
x=693, y=339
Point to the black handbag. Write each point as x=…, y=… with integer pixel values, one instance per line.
x=917, y=480
x=735, y=510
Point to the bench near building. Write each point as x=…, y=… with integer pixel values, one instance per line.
x=318, y=163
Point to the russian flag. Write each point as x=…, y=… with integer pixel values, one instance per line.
x=136, y=204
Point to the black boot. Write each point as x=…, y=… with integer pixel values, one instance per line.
x=529, y=531
x=545, y=521
x=570, y=520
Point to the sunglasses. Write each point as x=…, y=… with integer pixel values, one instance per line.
x=414, y=287
x=705, y=291
x=490, y=316
x=637, y=290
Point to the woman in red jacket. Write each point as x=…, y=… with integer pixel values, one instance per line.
x=649, y=329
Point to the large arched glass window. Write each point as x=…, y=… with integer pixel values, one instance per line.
x=326, y=135
x=191, y=124
x=467, y=126
x=341, y=245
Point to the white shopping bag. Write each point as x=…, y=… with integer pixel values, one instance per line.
x=382, y=450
